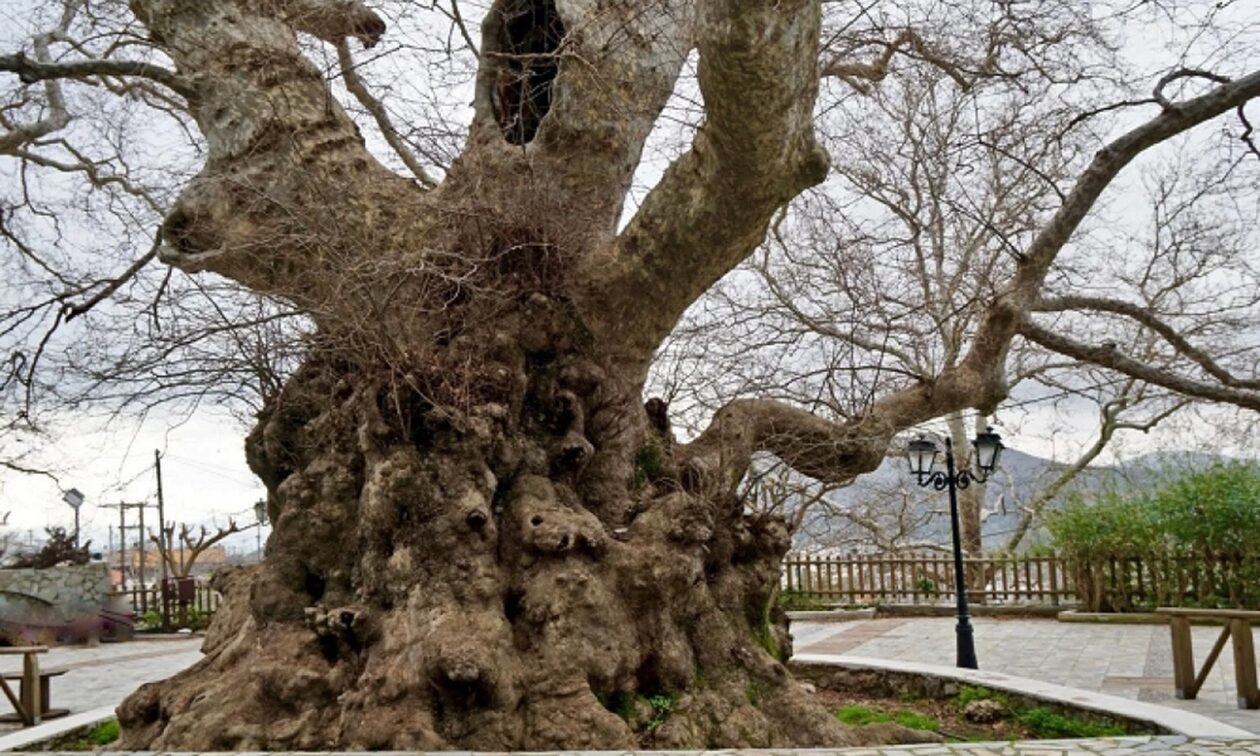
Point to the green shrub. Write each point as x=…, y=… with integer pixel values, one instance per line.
x=1198, y=533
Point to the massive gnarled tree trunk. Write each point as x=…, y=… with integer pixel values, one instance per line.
x=482, y=537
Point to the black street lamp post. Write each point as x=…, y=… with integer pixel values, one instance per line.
x=923, y=454
x=260, y=513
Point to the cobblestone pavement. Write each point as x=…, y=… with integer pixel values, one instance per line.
x=1145, y=746
x=1106, y=746
x=104, y=675
x=1130, y=661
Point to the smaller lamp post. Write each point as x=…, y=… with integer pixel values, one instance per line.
x=75, y=499
x=923, y=454
x=260, y=513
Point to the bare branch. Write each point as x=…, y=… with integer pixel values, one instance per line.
x=1108, y=356
x=1147, y=318
x=31, y=71
x=373, y=106
x=861, y=75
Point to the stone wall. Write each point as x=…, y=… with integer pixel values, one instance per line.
x=54, y=604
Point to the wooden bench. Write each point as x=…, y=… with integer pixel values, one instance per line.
x=1237, y=626
x=45, y=710
x=28, y=706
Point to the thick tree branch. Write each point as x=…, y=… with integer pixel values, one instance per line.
x=754, y=153
x=1147, y=318
x=31, y=71
x=1108, y=356
x=285, y=163
x=332, y=20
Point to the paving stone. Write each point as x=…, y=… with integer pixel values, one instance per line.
x=1129, y=661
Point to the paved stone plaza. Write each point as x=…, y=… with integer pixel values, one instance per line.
x=1129, y=746
x=105, y=674
x=1132, y=661
x=1129, y=661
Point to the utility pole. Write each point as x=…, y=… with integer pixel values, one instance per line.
x=122, y=542
x=122, y=507
x=143, y=537
x=163, y=546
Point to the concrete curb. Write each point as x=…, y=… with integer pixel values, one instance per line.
x=884, y=611
x=1112, y=618
x=977, y=610
x=833, y=615
x=17, y=741
x=1168, y=718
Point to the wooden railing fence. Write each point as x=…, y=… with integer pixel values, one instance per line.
x=1099, y=584
x=201, y=600
x=925, y=578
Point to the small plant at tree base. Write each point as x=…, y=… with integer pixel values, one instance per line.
x=857, y=715
x=797, y=601
x=1045, y=723
x=105, y=732
x=662, y=705
x=970, y=693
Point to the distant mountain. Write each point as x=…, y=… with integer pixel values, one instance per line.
x=889, y=497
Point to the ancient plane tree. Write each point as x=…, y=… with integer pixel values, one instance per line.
x=483, y=538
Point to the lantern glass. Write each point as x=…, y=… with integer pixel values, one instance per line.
x=260, y=511
x=74, y=498
x=922, y=454
x=988, y=446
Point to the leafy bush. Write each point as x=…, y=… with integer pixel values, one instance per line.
x=1196, y=534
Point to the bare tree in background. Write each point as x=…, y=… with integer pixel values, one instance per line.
x=481, y=534
x=181, y=553
x=939, y=186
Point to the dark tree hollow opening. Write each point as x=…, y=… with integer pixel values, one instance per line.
x=529, y=37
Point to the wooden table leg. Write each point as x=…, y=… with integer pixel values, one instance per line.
x=1245, y=664
x=17, y=703
x=30, y=693
x=1183, y=657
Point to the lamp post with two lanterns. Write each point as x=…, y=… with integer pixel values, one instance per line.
x=923, y=454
